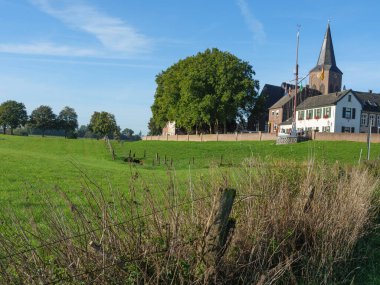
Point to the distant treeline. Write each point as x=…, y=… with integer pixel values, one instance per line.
x=15, y=120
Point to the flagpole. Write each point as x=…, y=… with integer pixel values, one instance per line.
x=294, y=128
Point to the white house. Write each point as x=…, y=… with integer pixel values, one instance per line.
x=169, y=129
x=371, y=111
x=334, y=112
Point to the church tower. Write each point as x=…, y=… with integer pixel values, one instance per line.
x=326, y=76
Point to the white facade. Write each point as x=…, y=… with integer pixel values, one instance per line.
x=169, y=129
x=342, y=116
x=320, y=119
x=350, y=103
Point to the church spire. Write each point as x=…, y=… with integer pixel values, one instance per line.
x=326, y=77
x=326, y=56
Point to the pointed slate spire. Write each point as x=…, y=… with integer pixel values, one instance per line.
x=326, y=55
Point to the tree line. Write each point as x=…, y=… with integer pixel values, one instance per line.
x=13, y=115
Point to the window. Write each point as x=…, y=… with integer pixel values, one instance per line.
x=272, y=113
x=317, y=113
x=326, y=129
x=349, y=98
x=277, y=113
x=348, y=130
x=301, y=115
x=327, y=112
x=309, y=114
x=378, y=120
x=364, y=120
x=372, y=118
x=348, y=113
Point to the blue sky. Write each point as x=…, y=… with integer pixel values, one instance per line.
x=103, y=55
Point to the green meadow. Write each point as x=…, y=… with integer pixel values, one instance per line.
x=34, y=163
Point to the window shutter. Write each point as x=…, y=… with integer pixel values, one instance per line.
x=352, y=130
x=353, y=113
x=344, y=112
x=342, y=129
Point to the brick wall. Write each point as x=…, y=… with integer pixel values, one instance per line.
x=214, y=137
x=356, y=137
x=318, y=136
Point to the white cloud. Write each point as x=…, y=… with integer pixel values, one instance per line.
x=252, y=22
x=113, y=33
x=46, y=49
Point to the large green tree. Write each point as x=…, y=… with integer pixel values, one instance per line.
x=12, y=114
x=43, y=118
x=104, y=124
x=68, y=120
x=206, y=92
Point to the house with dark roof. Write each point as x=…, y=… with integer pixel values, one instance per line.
x=283, y=109
x=269, y=95
x=370, y=115
x=334, y=112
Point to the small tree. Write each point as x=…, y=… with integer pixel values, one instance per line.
x=13, y=115
x=68, y=121
x=127, y=132
x=103, y=124
x=43, y=118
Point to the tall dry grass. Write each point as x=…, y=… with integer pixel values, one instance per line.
x=294, y=223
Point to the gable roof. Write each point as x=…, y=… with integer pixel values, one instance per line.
x=301, y=96
x=273, y=94
x=370, y=101
x=283, y=100
x=322, y=100
x=326, y=57
x=287, y=122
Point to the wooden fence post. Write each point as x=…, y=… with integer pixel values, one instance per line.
x=218, y=233
x=110, y=147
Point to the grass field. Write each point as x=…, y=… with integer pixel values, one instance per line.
x=35, y=162
x=31, y=164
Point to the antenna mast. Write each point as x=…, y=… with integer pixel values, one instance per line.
x=294, y=127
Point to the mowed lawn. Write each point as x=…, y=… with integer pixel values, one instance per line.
x=30, y=164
